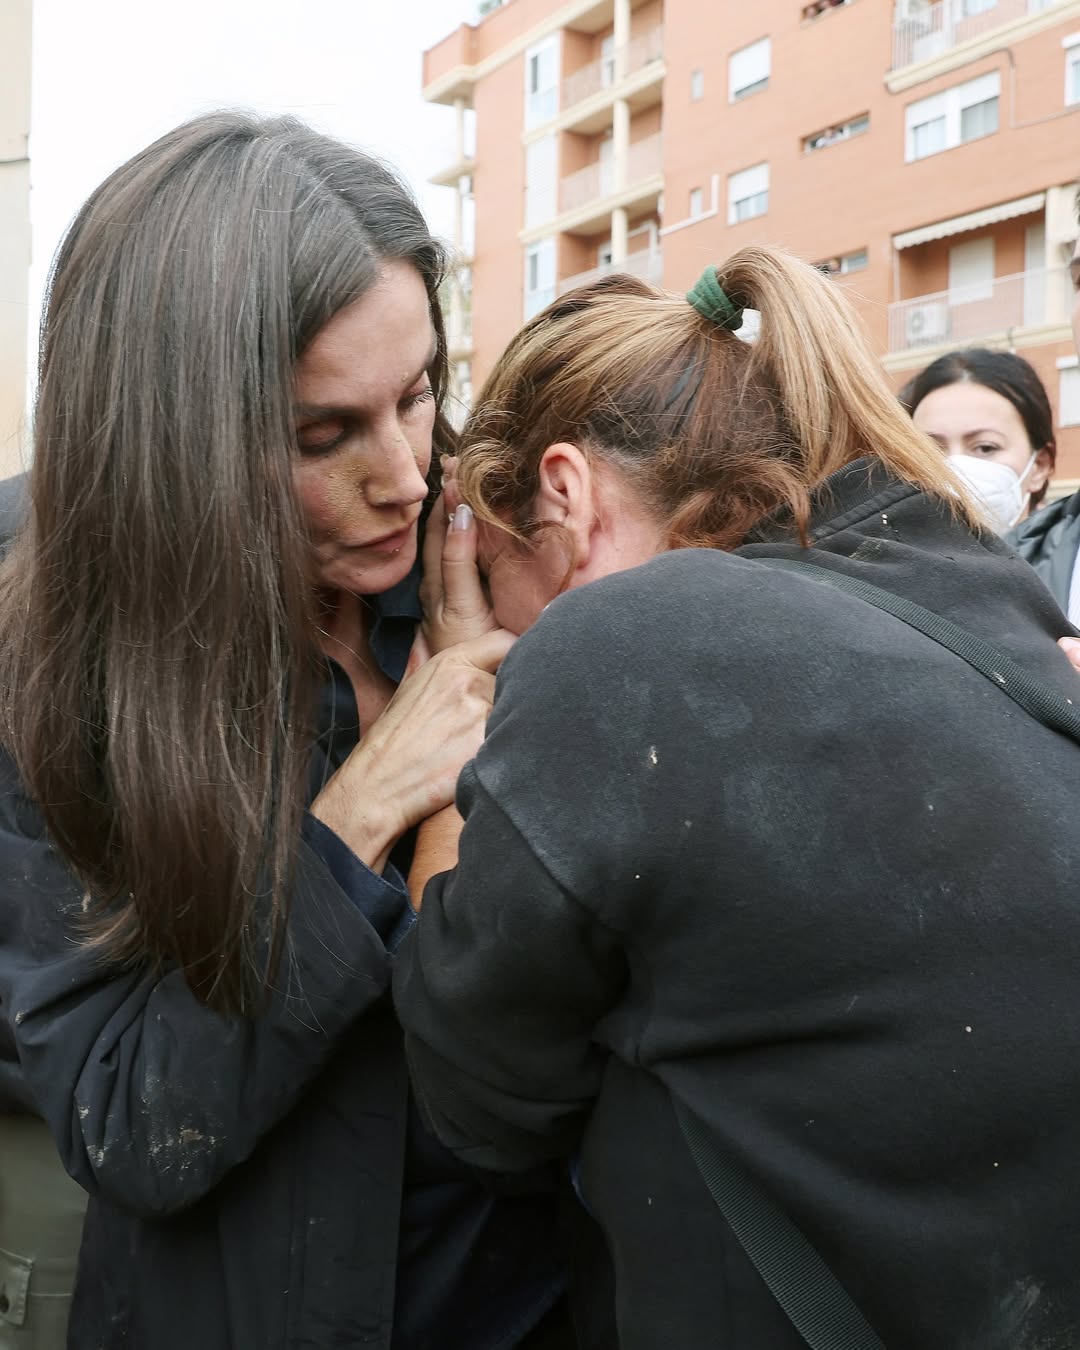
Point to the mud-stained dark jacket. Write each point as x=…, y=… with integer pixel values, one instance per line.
x=775, y=854
x=247, y=1176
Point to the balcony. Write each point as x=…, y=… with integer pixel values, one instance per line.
x=926, y=29
x=593, y=190
x=634, y=72
x=647, y=263
x=609, y=70
x=979, y=313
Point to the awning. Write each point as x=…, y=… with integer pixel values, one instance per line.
x=974, y=220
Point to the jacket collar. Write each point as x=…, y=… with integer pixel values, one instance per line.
x=854, y=492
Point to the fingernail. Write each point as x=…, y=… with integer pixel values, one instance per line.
x=462, y=517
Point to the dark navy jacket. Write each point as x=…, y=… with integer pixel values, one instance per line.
x=247, y=1176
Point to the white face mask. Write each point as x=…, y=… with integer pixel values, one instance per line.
x=999, y=489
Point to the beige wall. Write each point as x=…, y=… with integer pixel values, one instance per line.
x=14, y=227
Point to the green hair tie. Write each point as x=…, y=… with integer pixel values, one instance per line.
x=712, y=302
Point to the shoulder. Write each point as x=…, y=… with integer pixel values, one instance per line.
x=678, y=593
x=622, y=615
x=1046, y=527
x=686, y=617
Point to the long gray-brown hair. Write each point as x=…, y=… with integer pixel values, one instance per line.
x=157, y=662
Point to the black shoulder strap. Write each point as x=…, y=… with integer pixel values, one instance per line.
x=1054, y=710
x=819, y=1307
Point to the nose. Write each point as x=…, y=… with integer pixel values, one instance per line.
x=396, y=477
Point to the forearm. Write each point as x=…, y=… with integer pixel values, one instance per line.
x=499, y=986
x=436, y=850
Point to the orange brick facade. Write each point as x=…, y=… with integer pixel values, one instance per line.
x=927, y=151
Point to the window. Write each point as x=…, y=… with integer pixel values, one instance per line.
x=542, y=81
x=697, y=201
x=468, y=218
x=820, y=7
x=539, y=276
x=748, y=69
x=697, y=85
x=607, y=61
x=844, y=263
x=1072, y=68
x=603, y=255
x=971, y=272
x=1068, y=392
x=980, y=119
x=541, y=180
x=971, y=7
x=841, y=131
x=943, y=121
x=606, y=156
x=748, y=194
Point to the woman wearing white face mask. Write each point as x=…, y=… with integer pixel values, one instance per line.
x=990, y=414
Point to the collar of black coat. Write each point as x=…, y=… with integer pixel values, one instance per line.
x=1043, y=521
x=854, y=492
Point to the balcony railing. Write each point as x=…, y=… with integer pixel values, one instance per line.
x=597, y=180
x=609, y=70
x=925, y=30
x=969, y=314
x=647, y=263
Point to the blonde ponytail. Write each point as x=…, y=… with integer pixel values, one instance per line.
x=812, y=348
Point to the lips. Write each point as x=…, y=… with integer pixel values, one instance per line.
x=390, y=543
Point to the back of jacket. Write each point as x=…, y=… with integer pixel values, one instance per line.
x=775, y=854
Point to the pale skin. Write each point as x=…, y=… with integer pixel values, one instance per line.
x=365, y=418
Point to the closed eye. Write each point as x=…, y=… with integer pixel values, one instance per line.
x=416, y=399
x=318, y=438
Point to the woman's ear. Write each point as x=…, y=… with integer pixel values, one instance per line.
x=566, y=496
x=1041, y=470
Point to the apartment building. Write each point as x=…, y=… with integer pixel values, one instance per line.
x=923, y=152
x=14, y=227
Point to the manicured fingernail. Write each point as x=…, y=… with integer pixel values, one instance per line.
x=462, y=517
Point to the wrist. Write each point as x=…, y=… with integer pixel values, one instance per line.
x=369, y=830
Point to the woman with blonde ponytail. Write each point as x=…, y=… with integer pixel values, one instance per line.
x=778, y=946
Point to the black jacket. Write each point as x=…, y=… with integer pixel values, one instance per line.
x=247, y=1176
x=740, y=839
x=1050, y=540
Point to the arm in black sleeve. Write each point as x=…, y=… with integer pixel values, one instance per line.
x=150, y=1096
x=499, y=986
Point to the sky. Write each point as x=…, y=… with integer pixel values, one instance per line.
x=110, y=76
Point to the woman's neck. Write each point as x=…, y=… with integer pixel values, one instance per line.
x=344, y=633
x=343, y=623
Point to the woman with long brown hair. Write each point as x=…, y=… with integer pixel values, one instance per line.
x=208, y=781
x=783, y=938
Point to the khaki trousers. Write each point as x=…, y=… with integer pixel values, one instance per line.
x=41, y=1218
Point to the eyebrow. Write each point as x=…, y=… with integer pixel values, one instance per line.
x=981, y=431
x=317, y=411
